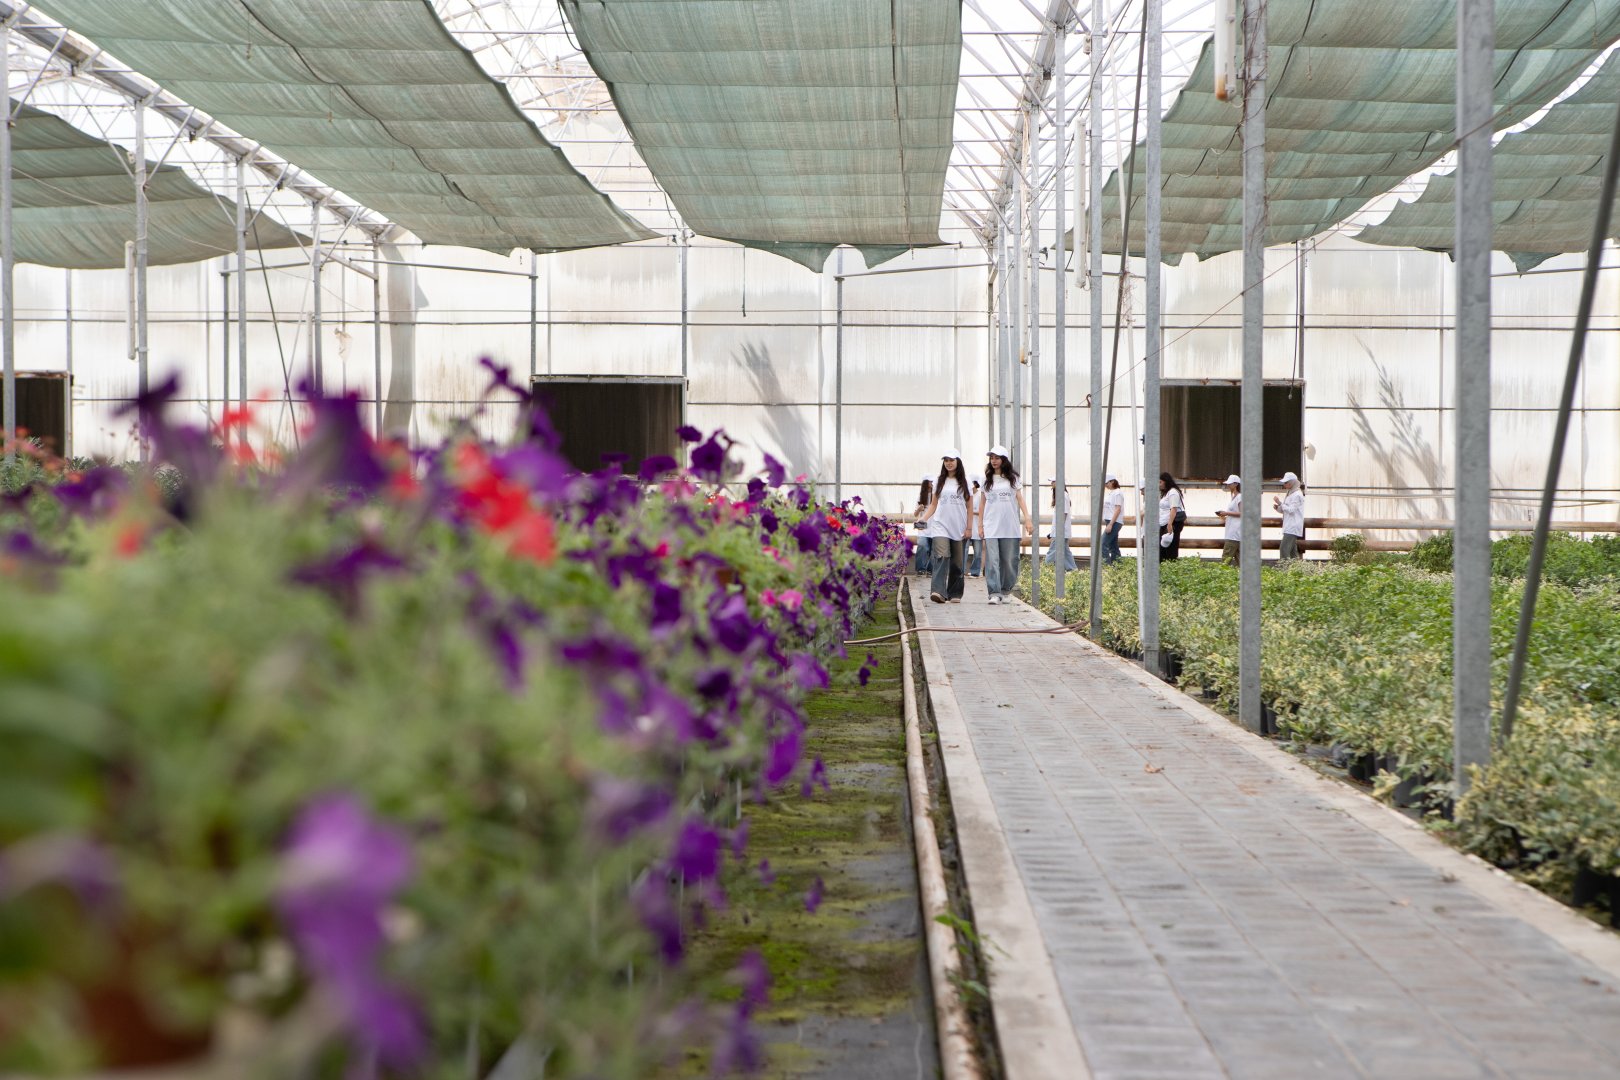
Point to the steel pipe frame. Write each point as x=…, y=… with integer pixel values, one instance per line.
x=8, y=333
x=1152, y=352
x=1094, y=254
x=1251, y=406
x=1033, y=288
x=1471, y=573
x=1060, y=312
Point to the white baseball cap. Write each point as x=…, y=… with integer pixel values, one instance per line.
x=928, y=476
x=1233, y=479
x=953, y=452
x=1290, y=478
x=999, y=450
x=1110, y=479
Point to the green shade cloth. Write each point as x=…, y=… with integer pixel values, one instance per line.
x=1547, y=182
x=376, y=99
x=73, y=203
x=792, y=126
x=1361, y=95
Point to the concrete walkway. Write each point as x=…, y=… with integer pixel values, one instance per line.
x=1193, y=902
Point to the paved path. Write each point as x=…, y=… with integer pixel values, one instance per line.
x=1212, y=908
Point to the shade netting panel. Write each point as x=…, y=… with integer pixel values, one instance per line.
x=787, y=125
x=73, y=203
x=1360, y=96
x=377, y=99
x=1547, y=180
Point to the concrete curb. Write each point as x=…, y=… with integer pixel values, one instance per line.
x=1037, y=1036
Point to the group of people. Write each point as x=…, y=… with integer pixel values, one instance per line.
x=955, y=513
x=966, y=523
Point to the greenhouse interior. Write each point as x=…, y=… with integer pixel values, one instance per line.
x=498, y=572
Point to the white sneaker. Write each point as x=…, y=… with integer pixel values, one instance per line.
x=995, y=598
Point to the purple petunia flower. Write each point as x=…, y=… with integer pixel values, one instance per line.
x=768, y=521
x=812, y=899
x=709, y=460
x=620, y=807
x=666, y=605
x=688, y=433
x=783, y=757
x=808, y=534
x=697, y=851
x=739, y=840
x=92, y=492
x=767, y=876
x=340, y=868
x=657, y=465
x=808, y=673
x=342, y=574
x=714, y=684
x=732, y=627
x=655, y=907
x=775, y=473
x=864, y=545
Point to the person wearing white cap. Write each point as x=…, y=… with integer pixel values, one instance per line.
x=1233, y=518
x=950, y=521
x=1292, y=507
x=1006, y=521
x=975, y=540
x=1060, y=533
x=925, y=550
x=1113, y=519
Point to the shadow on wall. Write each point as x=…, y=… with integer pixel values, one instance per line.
x=1408, y=460
x=783, y=423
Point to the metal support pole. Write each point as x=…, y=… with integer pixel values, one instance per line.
x=1152, y=269
x=376, y=342
x=534, y=314
x=67, y=312
x=141, y=353
x=1471, y=574
x=242, y=288
x=1094, y=246
x=838, y=387
x=686, y=249
x=316, y=366
x=1060, y=309
x=1020, y=327
x=1009, y=339
x=8, y=313
x=1251, y=407
x=1032, y=189
x=225, y=343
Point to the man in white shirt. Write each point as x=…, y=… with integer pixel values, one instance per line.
x=1292, y=507
x=1232, y=517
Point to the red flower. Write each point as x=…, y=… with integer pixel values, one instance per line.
x=534, y=538
x=129, y=540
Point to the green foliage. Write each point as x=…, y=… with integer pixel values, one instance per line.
x=1347, y=546
x=1433, y=554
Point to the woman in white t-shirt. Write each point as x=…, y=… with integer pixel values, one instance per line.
x=1113, y=519
x=925, y=554
x=1172, y=517
x=1292, y=507
x=1232, y=520
x=950, y=521
x=1006, y=524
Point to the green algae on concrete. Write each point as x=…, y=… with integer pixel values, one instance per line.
x=849, y=983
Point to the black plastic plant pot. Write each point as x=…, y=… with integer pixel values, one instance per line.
x=1364, y=767
x=1268, y=720
x=1592, y=886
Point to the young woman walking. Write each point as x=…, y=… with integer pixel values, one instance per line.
x=1058, y=547
x=1006, y=522
x=1113, y=519
x=1172, y=517
x=1292, y=507
x=1232, y=520
x=975, y=542
x=925, y=497
x=950, y=522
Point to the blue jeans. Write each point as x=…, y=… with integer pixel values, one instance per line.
x=975, y=554
x=1001, y=564
x=1051, y=556
x=947, y=581
x=1110, y=542
x=925, y=555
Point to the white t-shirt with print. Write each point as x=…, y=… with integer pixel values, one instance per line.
x=1001, y=520
x=1234, y=523
x=950, y=516
x=1113, y=503
x=1169, y=503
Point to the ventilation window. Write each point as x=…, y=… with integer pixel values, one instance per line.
x=1201, y=430
x=598, y=417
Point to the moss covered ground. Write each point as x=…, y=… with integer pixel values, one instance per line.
x=849, y=993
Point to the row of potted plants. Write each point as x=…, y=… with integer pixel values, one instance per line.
x=354, y=760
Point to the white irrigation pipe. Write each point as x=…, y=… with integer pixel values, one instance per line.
x=957, y=1061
